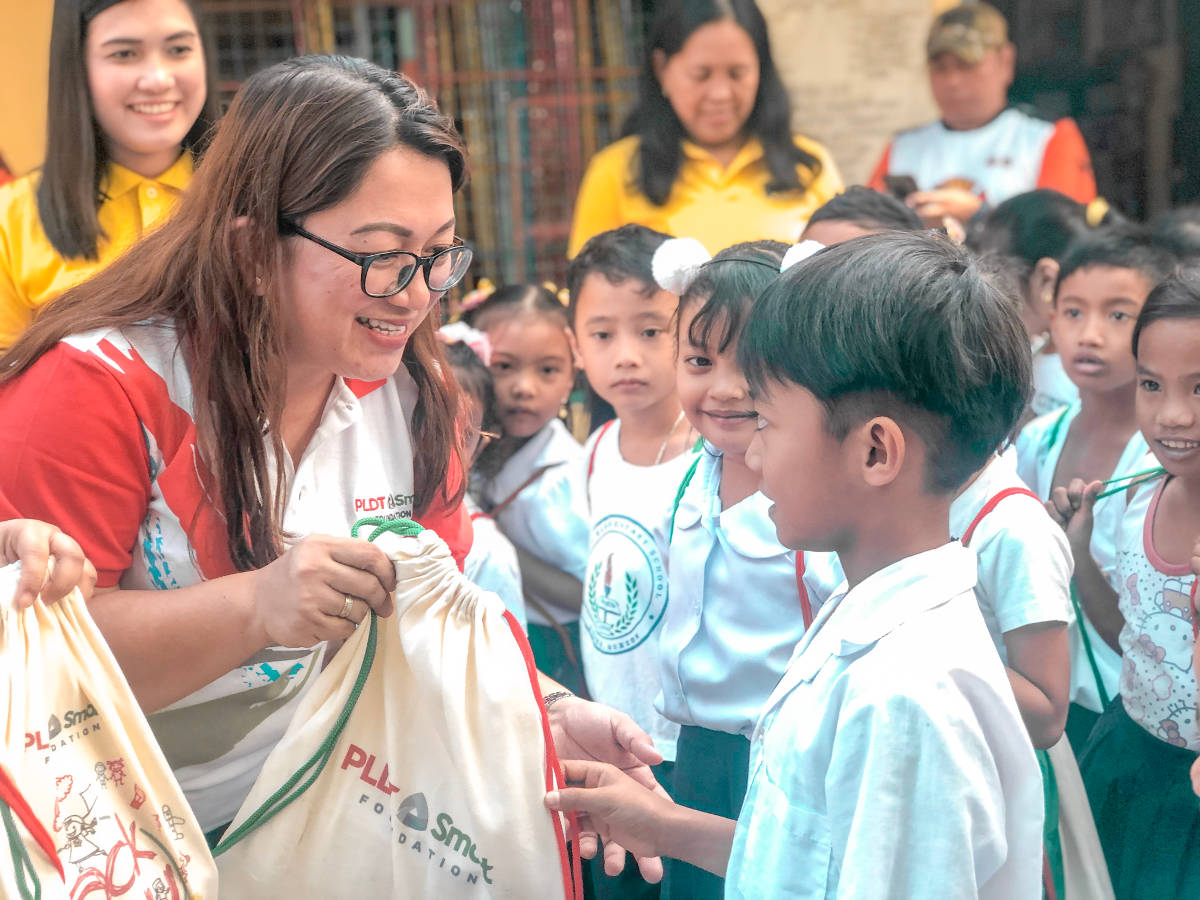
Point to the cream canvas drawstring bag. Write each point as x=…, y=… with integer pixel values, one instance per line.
x=417, y=764
x=89, y=806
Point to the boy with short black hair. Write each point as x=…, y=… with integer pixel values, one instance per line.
x=857, y=211
x=622, y=335
x=891, y=760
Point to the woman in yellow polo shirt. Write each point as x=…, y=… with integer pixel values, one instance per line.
x=709, y=151
x=130, y=101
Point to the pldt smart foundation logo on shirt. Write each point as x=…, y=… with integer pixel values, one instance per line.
x=626, y=585
x=447, y=846
x=64, y=729
x=386, y=505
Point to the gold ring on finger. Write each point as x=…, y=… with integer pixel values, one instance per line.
x=347, y=608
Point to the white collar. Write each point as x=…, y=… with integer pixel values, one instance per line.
x=881, y=603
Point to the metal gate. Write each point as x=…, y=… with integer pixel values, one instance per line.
x=535, y=86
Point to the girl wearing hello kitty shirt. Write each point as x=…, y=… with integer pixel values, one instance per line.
x=1137, y=759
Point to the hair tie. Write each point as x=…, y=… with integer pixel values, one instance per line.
x=798, y=253
x=472, y=337
x=676, y=263
x=1095, y=212
x=561, y=294
x=483, y=289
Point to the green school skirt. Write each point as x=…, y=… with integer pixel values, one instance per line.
x=712, y=769
x=552, y=657
x=1146, y=814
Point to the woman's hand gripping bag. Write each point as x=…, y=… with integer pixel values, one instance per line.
x=88, y=802
x=417, y=765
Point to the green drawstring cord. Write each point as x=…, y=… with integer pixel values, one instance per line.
x=292, y=788
x=404, y=527
x=20, y=858
x=1125, y=482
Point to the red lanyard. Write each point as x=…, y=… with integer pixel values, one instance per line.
x=17, y=803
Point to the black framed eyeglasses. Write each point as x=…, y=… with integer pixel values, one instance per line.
x=388, y=273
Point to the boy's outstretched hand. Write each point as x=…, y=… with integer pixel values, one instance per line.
x=34, y=543
x=650, y=824
x=614, y=806
x=592, y=732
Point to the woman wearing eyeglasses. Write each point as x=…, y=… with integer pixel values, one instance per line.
x=257, y=373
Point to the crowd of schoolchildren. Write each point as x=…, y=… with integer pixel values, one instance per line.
x=664, y=576
x=888, y=541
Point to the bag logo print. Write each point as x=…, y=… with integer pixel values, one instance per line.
x=413, y=813
x=70, y=721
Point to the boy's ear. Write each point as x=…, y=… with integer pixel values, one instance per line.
x=881, y=451
x=576, y=356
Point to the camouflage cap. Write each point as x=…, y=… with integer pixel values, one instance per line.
x=967, y=32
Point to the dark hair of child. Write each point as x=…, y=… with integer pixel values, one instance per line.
x=870, y=209
x=515, y=299
x=1035, y=225
x=727, y=287
x=1177, y=297
x=660, y=132
x=903, y=325
x=475, y=379
x=1125, y=247
x=620, y=255
x=1178, y=232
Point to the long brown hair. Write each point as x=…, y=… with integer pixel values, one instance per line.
x=298, y=139
x=69, y=191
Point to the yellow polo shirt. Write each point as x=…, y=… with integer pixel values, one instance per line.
x=718, y=206
x=32, y=272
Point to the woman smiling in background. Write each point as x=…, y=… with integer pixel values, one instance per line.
x=709, y=150
x=130, y=104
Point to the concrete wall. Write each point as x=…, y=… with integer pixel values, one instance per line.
x=855, y=70
x=24, y=61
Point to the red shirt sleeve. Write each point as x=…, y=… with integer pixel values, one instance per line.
x=881, y=169
x=452, y=523
x=1066, y=165
x=72, y=454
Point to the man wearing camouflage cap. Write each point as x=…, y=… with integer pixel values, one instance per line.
x=982, y=150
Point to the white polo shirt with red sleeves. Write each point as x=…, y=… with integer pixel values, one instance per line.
x=99, y=438
x=1013, y=153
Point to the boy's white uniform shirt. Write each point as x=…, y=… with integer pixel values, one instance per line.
x=1052, y=387
x=492, y=562
x=891, y=760
x=1024, y=559
x=548, y=518
x=1039, y=446
x=625, y=591
x=735, y=616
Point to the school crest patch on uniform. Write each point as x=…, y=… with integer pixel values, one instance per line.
x=625, y=594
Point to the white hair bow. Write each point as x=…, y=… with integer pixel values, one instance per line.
x=473, y=338
x=798, y=253
x=677, y=262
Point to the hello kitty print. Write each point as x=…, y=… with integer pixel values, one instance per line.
x=1158, y=681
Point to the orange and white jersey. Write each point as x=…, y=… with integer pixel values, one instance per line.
x=1014, y=153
